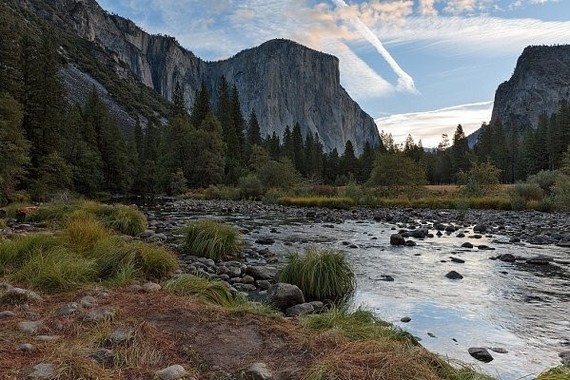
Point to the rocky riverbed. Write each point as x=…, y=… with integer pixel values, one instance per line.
x=468, y=283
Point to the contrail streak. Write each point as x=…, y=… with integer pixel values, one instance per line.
x=405, y=81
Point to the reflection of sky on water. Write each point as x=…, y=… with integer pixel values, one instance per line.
x=522, y=308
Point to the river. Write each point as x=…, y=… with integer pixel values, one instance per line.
x=518, y=307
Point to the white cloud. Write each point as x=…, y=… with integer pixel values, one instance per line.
x=405, y=81
x=430, y=125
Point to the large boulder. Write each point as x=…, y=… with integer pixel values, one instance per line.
x=259, y=272
x=284, y=296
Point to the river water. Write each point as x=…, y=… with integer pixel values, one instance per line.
x=518, y=307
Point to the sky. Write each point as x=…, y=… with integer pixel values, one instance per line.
x=416, y=66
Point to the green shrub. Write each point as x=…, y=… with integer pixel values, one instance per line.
x=211, y=239
x=523, y=193
x=56, y=269
x=212, y=291
x=250, y=187
x=321, y=275
x=545, y=179
x=222, y=192
x=562, y=192
x=272, y=196
x=324, y=190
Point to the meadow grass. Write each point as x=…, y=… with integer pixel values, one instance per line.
x=321, y=275
x=211, y=239
x=211, y=291
x=337, y=202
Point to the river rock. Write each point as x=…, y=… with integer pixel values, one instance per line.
x=405, y=319
x=29, y=327
x=410, y=243
x=480, y=354
x=397, y=239
x=261, y=272
x=99, y=315
x=257, y=371
x=300, y=309
x=386, y=277
x=453, y=275
x=565, y=357
x=481, y=228
x=457, y=260
x=467, y=245
x=7, y=314
x=507, y=257
x=42, y=371
x=499, y=350
x=283, y=296
x=265, y=241
x=420, y=233
x=173, y=372
x=539, y=260
x=68, y=309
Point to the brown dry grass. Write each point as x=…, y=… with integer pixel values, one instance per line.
x=207, y=340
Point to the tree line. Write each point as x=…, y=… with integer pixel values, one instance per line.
x=49, y=145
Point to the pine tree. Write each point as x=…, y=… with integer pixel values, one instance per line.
x=178, y=101
x=253, y=130
x=10, y=65
x=458, y=153
x=298, y=157
x=13, y=146
x=349, y=162
x=207, y=147
x=201, y=107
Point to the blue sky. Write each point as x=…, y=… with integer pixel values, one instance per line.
x=416, y=66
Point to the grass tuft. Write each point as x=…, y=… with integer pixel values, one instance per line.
x=211, y=239
x=558, y=373
x=57, y=269
x=211, y=291
x=321, y=275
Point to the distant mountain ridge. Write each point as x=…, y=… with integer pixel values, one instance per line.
x=282, y=81
x=541, y=80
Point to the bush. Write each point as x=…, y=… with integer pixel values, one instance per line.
x=324, y=190
x=545, y=179
x=321, y=275
x=212, y=291
x=522, y=193
x=250, y=187
x=222, y=192
x=272, y=196
x=562, y=192
x=481, y=179
x=211, y=239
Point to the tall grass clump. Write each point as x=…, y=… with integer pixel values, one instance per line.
x=321, y=275
x=154, y=262
x=211, y=239
x=212, y=291
x=56, y=270
x=16, y=251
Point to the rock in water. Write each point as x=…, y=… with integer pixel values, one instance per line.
x=480, y=354
x=397, y=239
x=453, y=275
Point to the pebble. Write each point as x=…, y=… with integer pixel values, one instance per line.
x=405, y=319
x=257, y=371
x=99, y=315
x=29, y=327
x=173, y=372
x=42, y=371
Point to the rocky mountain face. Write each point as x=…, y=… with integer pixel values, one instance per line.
x=282, y=81
x=541, y=80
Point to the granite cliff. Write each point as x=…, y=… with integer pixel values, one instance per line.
x=282, y=81
x=541, y=80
